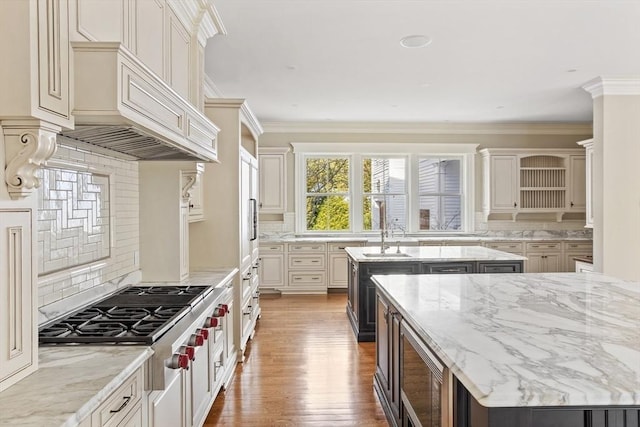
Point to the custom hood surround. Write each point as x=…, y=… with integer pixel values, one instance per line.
x=122, y=106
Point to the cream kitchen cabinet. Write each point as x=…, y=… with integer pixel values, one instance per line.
x=272, y=267
x=338, y=268
x=500, y=181
x=533, y=181
x=18, y=340
x=543, y=257
x=575, y=249
x=273, y=180
x=306, y=264
x=123, y=407
x=588, y=145
x=513, y=247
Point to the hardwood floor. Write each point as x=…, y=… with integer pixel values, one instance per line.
x=303, y=368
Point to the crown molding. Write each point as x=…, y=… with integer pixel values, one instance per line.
x=431, y=128
x=210, y=24
x=210, y=88
x=613, y=86
x=246, y=115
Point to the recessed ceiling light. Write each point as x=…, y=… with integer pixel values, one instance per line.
x=499, y=107
x=294, y=105
x=415, y=41
x=291, y=67
x=572, y=70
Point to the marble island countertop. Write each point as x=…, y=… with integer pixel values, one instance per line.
x=516, y=340
x=430, y=253
x=71, y=381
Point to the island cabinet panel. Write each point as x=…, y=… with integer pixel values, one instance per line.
x=363, y=313
x=469, y=413
x=387, y=378
x=500, y=267
x=448, y=268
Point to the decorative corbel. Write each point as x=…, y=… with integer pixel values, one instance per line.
x=28, y=144
x=191, y=178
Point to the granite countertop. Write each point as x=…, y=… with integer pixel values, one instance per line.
x=537, y=339
x=71, y=381
x=431, y=253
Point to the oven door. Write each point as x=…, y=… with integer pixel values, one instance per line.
x=426, y=390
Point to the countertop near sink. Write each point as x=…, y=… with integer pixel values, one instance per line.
x=431, y=253
x=536, y=339
x=71, y=381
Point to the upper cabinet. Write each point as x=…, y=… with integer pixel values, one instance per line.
x=273, y=180
x=168, y=36
x=520, y=182
x=588, y=171
x=37, y=50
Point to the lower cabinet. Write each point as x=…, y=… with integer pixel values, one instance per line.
x=167, y=408
x=338, y=273
x=543, y=257
x=123, y=408
x=387, y=378
x=272, y=267
x=306, y=265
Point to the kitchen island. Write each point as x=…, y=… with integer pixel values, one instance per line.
x=364, y=262
x=518, y=350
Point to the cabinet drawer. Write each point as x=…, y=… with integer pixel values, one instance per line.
x=542, y=246
x=339, y=247
x=448, y=268
x=307, y=247
x=273, y=247
x=306, y=278
x=511, y=247
x=499, y=267
x=120, y=403
x=578, y=246
x=307, y=261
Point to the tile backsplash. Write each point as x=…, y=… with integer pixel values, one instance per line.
x=81, y=245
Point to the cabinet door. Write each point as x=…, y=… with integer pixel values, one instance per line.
x=544, y=263
x=179, y=46
x=382, y=344
x=167, y=407
x=504, y=183
x=245, y=213
x=338, y=271
x=272, y=271
x=534, y=263
x=273, y=180
x=577, y=199
x=589, y=187
x=17, y=350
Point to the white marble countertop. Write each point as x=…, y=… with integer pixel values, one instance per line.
x=543, y=339
x=71, y=381
x=430, y=253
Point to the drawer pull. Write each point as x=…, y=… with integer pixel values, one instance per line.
x=297, y=261
x=451, y=270
x=315, y=260
x=274, y=249
x=127, y=399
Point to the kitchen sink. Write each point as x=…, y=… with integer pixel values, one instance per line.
x=387, y=255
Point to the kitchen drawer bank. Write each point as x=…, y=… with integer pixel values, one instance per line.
x=366, y=261
x=70, y=384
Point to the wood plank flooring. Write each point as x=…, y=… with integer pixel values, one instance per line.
x=303, y=368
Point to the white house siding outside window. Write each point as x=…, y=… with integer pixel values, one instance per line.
x=426, y=188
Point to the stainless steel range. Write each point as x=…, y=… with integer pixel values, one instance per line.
x=174, y=320
x=136, y=315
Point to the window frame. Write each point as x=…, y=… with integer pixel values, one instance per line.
x=355, y=152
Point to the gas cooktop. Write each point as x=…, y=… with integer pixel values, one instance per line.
x=134, y=315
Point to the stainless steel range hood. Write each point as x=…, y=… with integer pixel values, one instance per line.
x=122, y=106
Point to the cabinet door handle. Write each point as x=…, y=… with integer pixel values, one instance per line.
x=341, y=247
x=450, y=270
x=571, y=204
x=515, y=205
x=315, y=260
x=125, y=403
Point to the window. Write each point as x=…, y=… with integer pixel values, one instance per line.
x=327, y=193
x=384, y=184
x=415, y=188
x=439, y=194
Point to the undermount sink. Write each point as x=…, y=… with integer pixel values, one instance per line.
x=387, y=255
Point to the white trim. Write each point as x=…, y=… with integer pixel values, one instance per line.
x=210, y=88
x=382, y=148
x=613, y=86
x=431, y=128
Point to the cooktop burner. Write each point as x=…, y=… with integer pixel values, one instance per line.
x=135, y=315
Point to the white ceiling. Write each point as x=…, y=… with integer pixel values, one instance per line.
x=490, y=61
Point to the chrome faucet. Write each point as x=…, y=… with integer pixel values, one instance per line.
x=382, y=215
